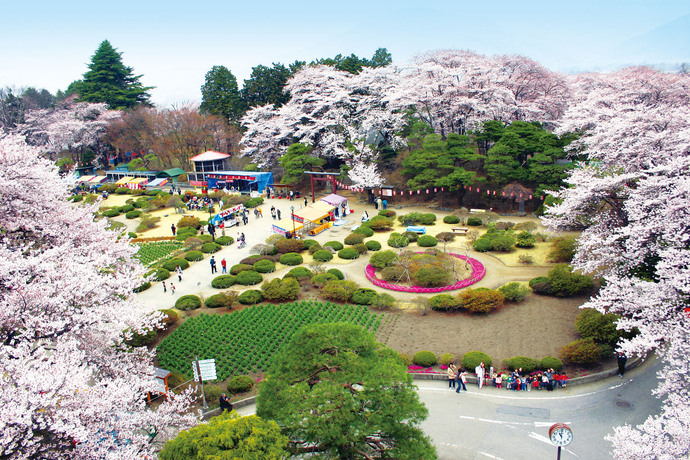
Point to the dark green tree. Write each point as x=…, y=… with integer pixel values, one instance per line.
x=381, y=58
x=228, y=436
x=265, y=86
x=296, y=160
x=354, y=64
x=335, y=391
x=221, y=96
x=109, y=80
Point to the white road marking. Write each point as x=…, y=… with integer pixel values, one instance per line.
x=505, y=422
x=546, y=440
x=489, y=455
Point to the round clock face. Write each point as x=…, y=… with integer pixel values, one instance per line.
x=561, y=436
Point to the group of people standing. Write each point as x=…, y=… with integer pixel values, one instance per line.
x=517, y=380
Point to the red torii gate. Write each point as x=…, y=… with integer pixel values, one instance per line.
x=329, y=177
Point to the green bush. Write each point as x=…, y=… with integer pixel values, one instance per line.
x=480, y=301
x=360, y=248
x=142, y=287
x=289, y=245
x=379, y=224
x=383, y=259
x=291, y=258
x=424, y=358
x=538, y=280
x=253, y=202
x=159, y=274
x=188, y=302
x=406, y=360
x=250, y=297
x=412, y=237
x=482, y=245
x=240, y=384
x=446, y=358
x=125, y=208
x=363, y=296
x=309, y=243
x=427, y=219
x=451, y=219
x=592, y=324
x=76, y=198
x=172, y=264
x=338, y=291
x=472, y=359
x=398, y=241
x=336, y=245
x=549, y=362
x=205, y=238
x=354, y=238
x=314, y=248
x=300, y=272
x=443, y=302
x=169, y=318
x=193, y=256
x=515, y=292
x=189, y=221
x=474, y=221
x=521, y=362
x=563, y=249
x=140, y=339
x=322, y=279
x=431, y=277
x=337, y=273
x=387, y=213
x=223, y=281
x=131, y=234
x=122, y=190
x=393, y=273
x=323, y=255
x=562, y=282
x=249, y=278
x=583, y=352
x=133, y=214
x=278, y=290
x=503, y=242
x=238, y=268
x=210, y=248
x=265, y=266
x=383, y=301
x=373, y=245
x=446, y=237
x=364, y=231
x=525, y=240
x=427, y=241
x=225, y=240
x=111, y=213
x=348, y=253
x=221, y=300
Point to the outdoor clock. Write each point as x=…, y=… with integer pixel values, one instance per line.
x=560, y=434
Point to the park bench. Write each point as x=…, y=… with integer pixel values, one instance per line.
x=416, y=229
x=477, y=211
x=460, y=230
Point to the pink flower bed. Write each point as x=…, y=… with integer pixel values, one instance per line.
x=478, y=272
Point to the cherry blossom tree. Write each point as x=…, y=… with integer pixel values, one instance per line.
x=69, y=386
x=631, y=201
x=365, y=175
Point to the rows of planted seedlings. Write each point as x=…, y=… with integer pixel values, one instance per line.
x=246, y=340
x=150, y=253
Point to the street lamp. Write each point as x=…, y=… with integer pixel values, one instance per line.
x=292, y=216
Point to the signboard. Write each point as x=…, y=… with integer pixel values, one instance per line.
x=229, y=177
x=387, y=192
x=197, y=183
x=208, y=369
x=227, y=212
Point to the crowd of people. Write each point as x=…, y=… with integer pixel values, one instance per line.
x=517, y=380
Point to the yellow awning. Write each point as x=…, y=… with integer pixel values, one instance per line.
x=138, y=180
x=124, y=180
x=98, y=179
x=85, y=178
x=322, y=206
x=311, y=214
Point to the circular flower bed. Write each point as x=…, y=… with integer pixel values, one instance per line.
x=478, y=272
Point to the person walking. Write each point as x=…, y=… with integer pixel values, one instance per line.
x=480, y=370
x=305, y=201
x=225, y=404
x=278, y=213
x=622, y=359
x=213, y=264
x=179, y=273
x=172, y=227
x=273, y=212
x=452, y=374
x=164, y=288
x=224, y=265
x=172, y=288
x=462, y=380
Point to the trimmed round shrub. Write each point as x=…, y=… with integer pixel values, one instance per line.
x=427, y=241
x=210, y=248
x=337, y=273
x=373, y=245
x=443, y=302
x=549, y=362
x=451, y=219
x=323, y=255
x=220, y=300
x=515, y=292
x=159, y=274
x=322, y=279
x=223, y=281
x=365, y=231
x=446, y=358
x=265, y=266
x=379, y=224
x=480, y=301
x=278, y=290
x=205, y=238
x=133, y=214
x=482, y=245
x=193, y=256
x=583, y=352
x=122, y=190
x=289, y=245
x=248, y=278
x=363, y=296
x=398, y=241
x=111, y=213
x=238, y=268
x=405, y=359
x=314, y=248
x=472, y=359
x=300, y=272
x=338, y=291
x=240, y=384
x=125, y=208
x=172, y=264
x=563, y=249
x=431, y=277
x=309, y=243
x=503, y=243
x=424, y=358
x=131, y=234
x=189, y=221
x=412, y=237
x=76, y=198
x=383, y=259
x=354, y=238
x=474, y=221
x=387, y=213
x=140, y=339
x=253, y=202
x=250, y=297
x=525, y=240
x=336, y=245
x=383, y=300
x=170, y=317
x=599, y=327
x=393, y=273
x=142, y=287
x=427, y=219
x=361, y=248
x=188, y=302
x=348, y=253
x=225, y=240
x=537, y=280
x=291, y=258
x=521, y=362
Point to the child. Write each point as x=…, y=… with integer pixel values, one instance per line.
x=172, y=288
x=164, y=289
x=499, y=381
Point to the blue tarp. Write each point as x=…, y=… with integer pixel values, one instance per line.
x=242, y=180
